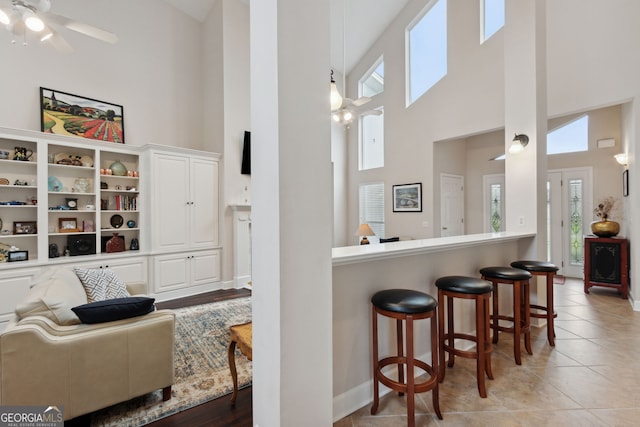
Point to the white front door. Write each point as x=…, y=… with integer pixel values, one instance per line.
x=451, y=205
x=569, y=205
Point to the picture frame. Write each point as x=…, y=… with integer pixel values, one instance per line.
x=14, y=256
x=407, y=197
x=80, y=116
x=25, y=227
x=68, y=225
x=625, y=183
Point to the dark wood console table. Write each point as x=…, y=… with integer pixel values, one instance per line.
x=606, y=263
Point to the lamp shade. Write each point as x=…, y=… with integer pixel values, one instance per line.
x=336, y=98
x=518, y=144
x=365, y=230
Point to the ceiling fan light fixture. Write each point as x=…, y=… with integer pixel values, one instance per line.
x=32, y=21
x=336, y=98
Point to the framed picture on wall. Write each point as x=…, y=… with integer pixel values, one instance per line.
x=625, y=183
x=407, y=198
x=67, y=114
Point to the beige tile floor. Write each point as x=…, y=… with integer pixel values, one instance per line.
x=590, y=378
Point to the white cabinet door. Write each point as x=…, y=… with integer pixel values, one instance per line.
x=205, y=267
x=185, y=202
x=171, y=272
x=189, y=269
x=171, y=202
x=128, y=269
x=204, y=207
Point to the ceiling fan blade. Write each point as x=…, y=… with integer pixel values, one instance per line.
x=371, y=113
x=59, y=43
x=86, y=29
x=361, y=101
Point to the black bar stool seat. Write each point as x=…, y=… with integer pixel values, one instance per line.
x=471, y=288
x=519, y=280
x=547, y=269
x=405, y=305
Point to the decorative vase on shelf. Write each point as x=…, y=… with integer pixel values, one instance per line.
x=118, y=168
x=605, y=228
x=135, y=245
x=115, y=244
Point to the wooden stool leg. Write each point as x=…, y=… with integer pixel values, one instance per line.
x=480, y=346
x=441, y=338
x=434, y=362
x=487, y=338
x=551, y=332
x=234, y=373
x=400, y=344
x=374, y=323
x=450, y=331
x=526, y=314
x=517, y=320
x=495, y=322
x=411, y=416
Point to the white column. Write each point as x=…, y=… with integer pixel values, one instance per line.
x=291, y=213
x=526, y=113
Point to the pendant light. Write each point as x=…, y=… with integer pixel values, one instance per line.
x=336, y=98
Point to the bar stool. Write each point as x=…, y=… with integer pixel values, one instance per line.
x=521, y=319
x=451, y=287
x=541, y=268
x=405, y=305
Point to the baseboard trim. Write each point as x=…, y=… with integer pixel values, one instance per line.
x=362, y=394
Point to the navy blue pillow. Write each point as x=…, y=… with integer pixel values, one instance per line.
x=114, y=309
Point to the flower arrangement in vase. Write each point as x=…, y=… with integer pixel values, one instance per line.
x=604, y=210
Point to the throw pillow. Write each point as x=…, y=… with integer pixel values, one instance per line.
x=53, y=295
x=114, y=309
x=101, y=284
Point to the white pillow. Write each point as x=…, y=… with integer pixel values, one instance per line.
x=53, y=295
x=101, y=284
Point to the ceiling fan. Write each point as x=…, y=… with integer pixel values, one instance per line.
x=18, y=16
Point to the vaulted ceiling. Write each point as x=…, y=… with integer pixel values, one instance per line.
x=363, y=21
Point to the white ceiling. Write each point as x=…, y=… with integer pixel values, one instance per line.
x=364, y=20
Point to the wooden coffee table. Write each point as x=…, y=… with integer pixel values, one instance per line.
x=240, y=336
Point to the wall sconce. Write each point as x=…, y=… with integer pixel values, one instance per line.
x=518, y=144
x=364, y=230
x=622, y=158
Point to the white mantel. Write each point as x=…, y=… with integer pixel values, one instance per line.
x=241, y=245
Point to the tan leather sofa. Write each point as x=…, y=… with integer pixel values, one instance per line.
x=48, y=358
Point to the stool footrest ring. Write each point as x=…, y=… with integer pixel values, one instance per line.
x=402, y=387
x=469, y=354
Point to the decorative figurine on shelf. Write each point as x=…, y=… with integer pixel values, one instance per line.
x=115, y=244
x=135, y=245
x=118, y=169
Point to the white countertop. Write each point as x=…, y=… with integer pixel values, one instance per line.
x=363, y=253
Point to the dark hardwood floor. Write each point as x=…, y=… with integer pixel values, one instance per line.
x=217, y=412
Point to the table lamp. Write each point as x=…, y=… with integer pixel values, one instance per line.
x=364, y=230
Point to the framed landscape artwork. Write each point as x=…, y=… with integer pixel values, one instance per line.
x=407, y=198
x=67, y=114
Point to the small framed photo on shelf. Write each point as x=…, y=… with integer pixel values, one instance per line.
x=88, y=226
x=18, y=256
x=68, y=225
x=24, y=227
x=407, y=197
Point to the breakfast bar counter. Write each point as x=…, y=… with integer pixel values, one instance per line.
x=361, y=271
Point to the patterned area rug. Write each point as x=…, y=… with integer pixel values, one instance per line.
x=201, y=364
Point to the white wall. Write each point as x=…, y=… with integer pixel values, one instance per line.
x=591, y=63
x=226, y=106
x=154, y=71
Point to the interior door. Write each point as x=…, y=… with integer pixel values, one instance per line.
x=571, y=189
x=451, y=205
